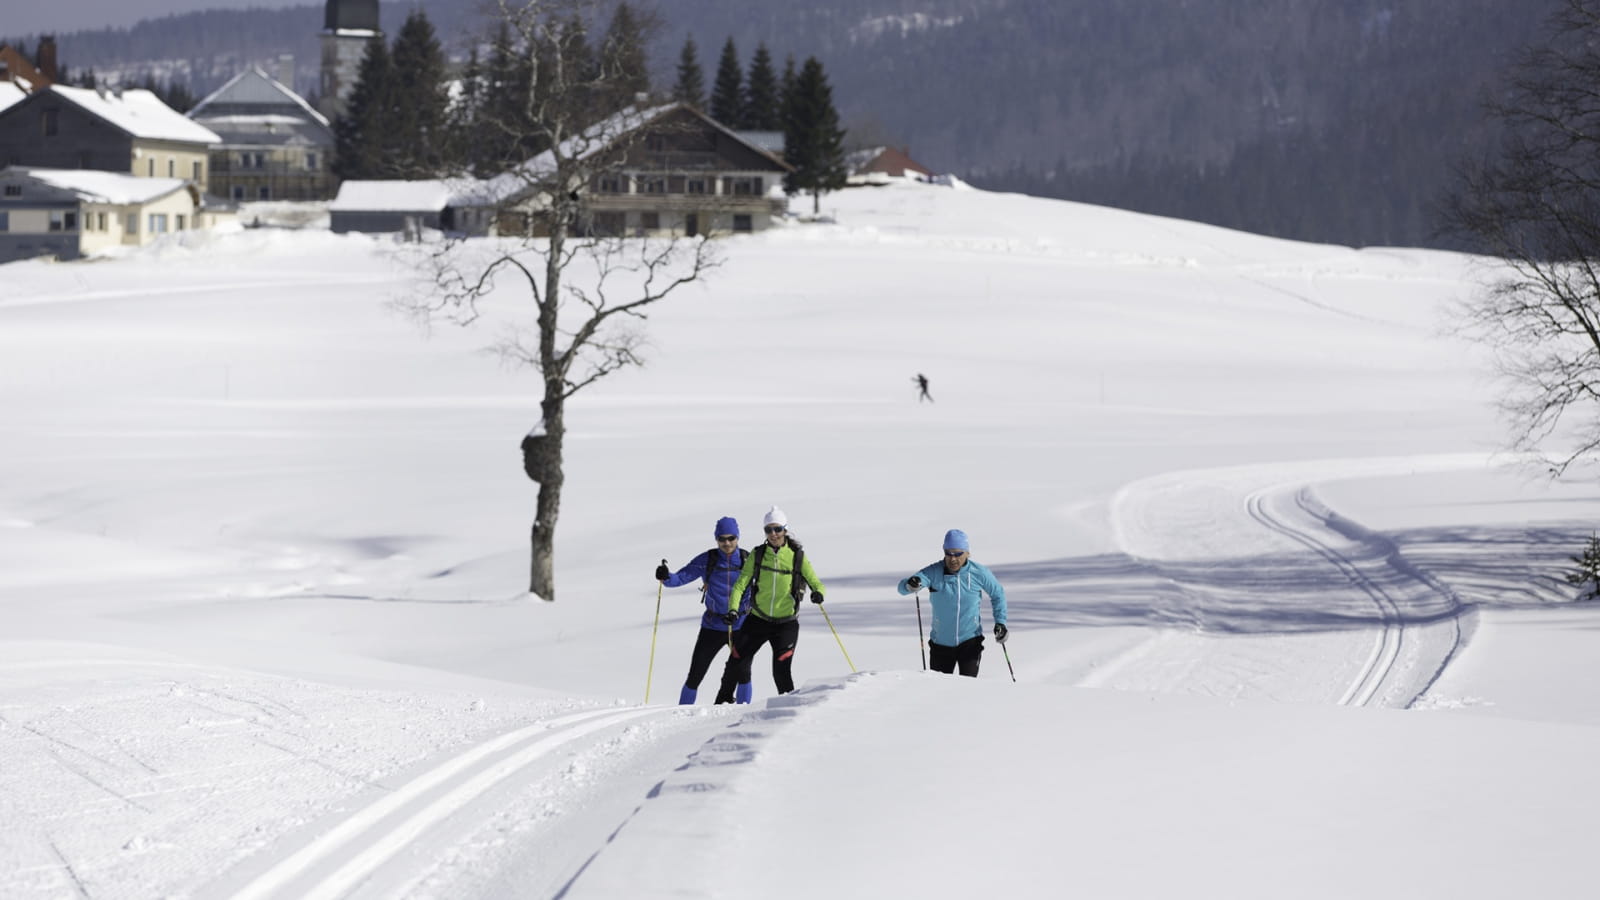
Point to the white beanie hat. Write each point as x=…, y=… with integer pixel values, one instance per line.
x=775, y=516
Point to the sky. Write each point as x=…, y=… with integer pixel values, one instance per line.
x=1284, y=620
x=74, y=15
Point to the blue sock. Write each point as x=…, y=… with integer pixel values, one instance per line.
x=742, y=692
x=686, y=696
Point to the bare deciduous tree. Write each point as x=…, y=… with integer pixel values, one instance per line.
x=588, y=285
x=1536, y=206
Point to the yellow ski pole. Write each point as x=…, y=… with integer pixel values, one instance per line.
x=835, y=631
x=652, y=670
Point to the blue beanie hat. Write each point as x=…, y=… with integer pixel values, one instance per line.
x=955, y=539
x=726, y=525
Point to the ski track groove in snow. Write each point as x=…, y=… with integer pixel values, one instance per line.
x=1380, y=664
x=383, y=828
x=1322, y=576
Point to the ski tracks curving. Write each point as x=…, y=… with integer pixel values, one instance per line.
x=1252, y=553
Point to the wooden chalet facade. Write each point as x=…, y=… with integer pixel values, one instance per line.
x=671, y=171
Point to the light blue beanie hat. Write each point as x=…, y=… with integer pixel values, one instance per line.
x=956, y=539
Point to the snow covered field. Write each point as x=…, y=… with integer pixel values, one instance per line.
x=1283, y=623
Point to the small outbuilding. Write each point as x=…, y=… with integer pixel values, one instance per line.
x=383, y=207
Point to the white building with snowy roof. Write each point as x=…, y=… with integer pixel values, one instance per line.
x=128, y=131
x=72, y=213
x=274, y=145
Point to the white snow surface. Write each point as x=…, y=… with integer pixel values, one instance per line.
x=1283, y=623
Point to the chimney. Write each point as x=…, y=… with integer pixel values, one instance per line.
x=286, y=70
x=47, y=57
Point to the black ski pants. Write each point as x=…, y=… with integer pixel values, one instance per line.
x=705, y=650
x=747, y=641
x=942, y=658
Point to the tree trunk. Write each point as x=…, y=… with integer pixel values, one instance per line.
x=542, y=537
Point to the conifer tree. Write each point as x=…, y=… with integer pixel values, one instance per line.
x=358, y=133
x=727, y=95
x=1587, y=575
x=623, y=49
x=691, y=85
x=763, y=110
x=813, y=140
x=499, y=137
x=415, y=138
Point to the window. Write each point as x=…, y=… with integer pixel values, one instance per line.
x=238, y=192
x=652, y=184
x=152, y=167
x=13, y=190
x=609, y=224
x=742, y=223
x=199, y=172
x=131, y=223
x=5, y=221
x=262, y=193
x=742, y=187
x=695, y=186
x=650, y=221
x=311, y=161
x=611, y=183
x=102, y=217
x=48, y=122
x=61, y=220
x=158, y=223
x=178, y=221
x=172, y=167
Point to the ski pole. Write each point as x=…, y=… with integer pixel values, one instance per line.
x=1008, y=660
x=836, y=636
x=652, y=670
x=922, y=643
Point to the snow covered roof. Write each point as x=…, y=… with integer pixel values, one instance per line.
x=392, y=196
x=95, y=186
x=11, y=94
x=138, y=112
x=254, y=91
x=599, y=138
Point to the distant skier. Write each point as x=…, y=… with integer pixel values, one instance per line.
x=922, y=385
x=955, y=591
x=777, y=573
x=717, y=569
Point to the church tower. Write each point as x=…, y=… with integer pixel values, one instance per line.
x=348, y=25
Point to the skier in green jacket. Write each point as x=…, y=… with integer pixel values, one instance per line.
x=780, y=571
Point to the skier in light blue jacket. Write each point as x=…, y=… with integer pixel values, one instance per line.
x=956, y=586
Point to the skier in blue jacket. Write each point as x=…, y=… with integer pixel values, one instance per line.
x=956, y=586
x=717, y=569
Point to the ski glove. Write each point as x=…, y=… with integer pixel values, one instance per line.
x=1000, y=632
x=914, y=583
x=731, y=616
x=816, y=597
x=662, y=574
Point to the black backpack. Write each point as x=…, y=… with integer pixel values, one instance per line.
x=713, y=556
x=797, y=582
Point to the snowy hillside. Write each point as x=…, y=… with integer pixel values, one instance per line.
x=1283, y=623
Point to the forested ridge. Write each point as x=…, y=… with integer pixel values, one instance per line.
x=1332, y=120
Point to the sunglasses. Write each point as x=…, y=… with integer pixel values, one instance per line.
x=775, y=529
x=954, y=554
x=726, y=538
